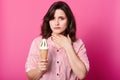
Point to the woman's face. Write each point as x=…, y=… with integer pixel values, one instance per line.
x=59, y=22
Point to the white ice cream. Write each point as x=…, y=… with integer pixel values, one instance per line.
x=43, y=44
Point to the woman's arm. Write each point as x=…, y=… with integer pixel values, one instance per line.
x=76, y=63
x=35, y=67
x=34, y=74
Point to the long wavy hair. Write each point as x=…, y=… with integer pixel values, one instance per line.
x=71, y=28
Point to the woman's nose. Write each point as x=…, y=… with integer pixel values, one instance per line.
x=56, y=22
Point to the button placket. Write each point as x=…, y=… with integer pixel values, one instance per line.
x=57, y=58
x=57, y=64
x=58, y=67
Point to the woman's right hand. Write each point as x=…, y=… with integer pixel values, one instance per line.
x=43, y=65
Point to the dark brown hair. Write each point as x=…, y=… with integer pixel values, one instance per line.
x=71, y=29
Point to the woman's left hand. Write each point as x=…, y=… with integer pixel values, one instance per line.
x=62, y=40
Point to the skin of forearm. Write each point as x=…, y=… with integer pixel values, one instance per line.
x=77, y=65
x=34, y=74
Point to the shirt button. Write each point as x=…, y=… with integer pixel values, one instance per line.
x=57, y=74
x=57, y=50
x=57, y=61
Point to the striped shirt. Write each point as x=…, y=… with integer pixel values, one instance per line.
x=58, y=64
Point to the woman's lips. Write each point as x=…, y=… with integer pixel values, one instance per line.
x=56, y=28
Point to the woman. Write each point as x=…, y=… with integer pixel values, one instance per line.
x=67, y=58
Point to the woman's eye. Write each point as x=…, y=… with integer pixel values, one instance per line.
x=61, y=18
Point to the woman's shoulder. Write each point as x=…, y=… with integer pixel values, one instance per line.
x=78, y=44
x=78, y=41
x=37, y=39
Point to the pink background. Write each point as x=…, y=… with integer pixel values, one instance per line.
x=98, y=24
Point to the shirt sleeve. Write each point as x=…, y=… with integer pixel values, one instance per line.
x=33, y=56
x=83, y=54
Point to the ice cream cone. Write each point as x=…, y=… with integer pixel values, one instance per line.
x=43, y=49
x=43, y=54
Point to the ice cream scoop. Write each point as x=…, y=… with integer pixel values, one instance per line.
x=43, y=49
x=43, y=44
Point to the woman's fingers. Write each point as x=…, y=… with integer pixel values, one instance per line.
x=43, y=65
x=69, y=38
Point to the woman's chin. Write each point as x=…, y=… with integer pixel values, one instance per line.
x=58, y=33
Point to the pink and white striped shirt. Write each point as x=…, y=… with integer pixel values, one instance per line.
x=59, y=67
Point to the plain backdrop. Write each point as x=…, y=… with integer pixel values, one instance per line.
x=98, y=25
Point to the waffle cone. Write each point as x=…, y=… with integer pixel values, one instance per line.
x=44, y=54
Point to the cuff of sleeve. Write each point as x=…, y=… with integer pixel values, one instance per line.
x=28, y=69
